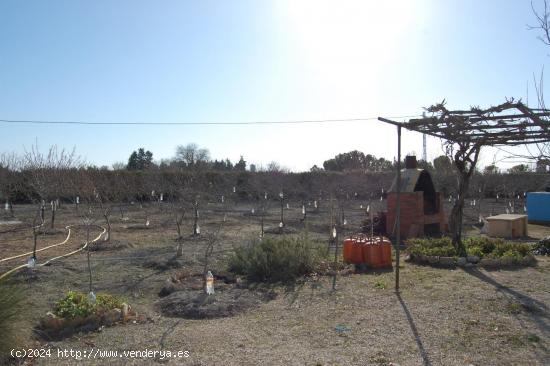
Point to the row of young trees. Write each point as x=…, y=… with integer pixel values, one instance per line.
x=60, y=175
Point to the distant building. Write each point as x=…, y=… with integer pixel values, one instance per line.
x=253, y=168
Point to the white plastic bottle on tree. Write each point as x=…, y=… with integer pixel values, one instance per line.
x=209, y=283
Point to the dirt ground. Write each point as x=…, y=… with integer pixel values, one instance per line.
x=440, y=316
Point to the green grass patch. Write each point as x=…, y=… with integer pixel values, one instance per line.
x=380, y=285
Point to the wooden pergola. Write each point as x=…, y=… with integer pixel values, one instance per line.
x=465, y=132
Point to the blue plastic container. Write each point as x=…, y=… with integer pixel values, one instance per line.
x=538, y=207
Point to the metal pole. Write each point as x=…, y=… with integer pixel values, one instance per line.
x=335, y=260
x=398, y=209
x=282, y=209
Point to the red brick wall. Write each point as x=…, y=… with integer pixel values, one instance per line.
x=412, y=213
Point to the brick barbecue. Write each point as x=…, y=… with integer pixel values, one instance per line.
x=422, y=212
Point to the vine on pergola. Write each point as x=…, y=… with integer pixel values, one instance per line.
x=466, y=131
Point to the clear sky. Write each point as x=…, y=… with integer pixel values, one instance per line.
x=233, y=61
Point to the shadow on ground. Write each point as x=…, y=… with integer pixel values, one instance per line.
x=421, y=349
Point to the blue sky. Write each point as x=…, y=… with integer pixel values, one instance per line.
x=232, y=61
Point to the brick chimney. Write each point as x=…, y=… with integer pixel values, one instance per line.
x=410, y=162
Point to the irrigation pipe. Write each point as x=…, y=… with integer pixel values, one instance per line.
x=41, y=249
x=58, y=257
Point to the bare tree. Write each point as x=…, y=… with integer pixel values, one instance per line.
x=196, y=226
x=209, y=250
x=191, y=156
x=48, y=173
x=9, y=182
x=540, y=152
x=179, y=213
x=543, y=22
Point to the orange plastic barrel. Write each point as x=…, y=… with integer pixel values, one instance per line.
x=386, y=253
x=357, y=252
x=372, y=253
x=347, y=252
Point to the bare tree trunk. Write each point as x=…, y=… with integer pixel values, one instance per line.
x=53, y=215
x=196, y=219
x=178, y=227
x=106, y=215
x=457, y=214
x=35, y=238
x=262, y=226
x=11, y=209
x=208, y=252
x=88, y=257
x=304, y=213
x=179, y=220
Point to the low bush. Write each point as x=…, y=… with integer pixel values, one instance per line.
x=510, y=250
x=10, y=310
x=481, y=244
x=481, y=247
x=76, y=304
x=277, y=259
x=441, y=247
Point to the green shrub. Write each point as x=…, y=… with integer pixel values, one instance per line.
x=277, y=259
x=477, y=251
x=441, y=247
x=76, y=304
x=510, y=250
x=487, y=245
x=478, y=246
x=11, y=300
x=107, y=302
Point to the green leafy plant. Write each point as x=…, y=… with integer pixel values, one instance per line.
x=277, y=259
x=477, y=251
x=485, y=244
x=108, y=302
x=76, y=304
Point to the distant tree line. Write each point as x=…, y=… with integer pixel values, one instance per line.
x=357, y=160
x=187, y=157
x=37, y=177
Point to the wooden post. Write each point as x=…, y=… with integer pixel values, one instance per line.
x=398, y=209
